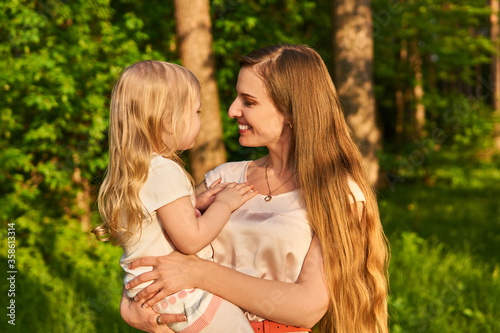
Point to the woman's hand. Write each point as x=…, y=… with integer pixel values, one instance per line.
x=171, y=273
x=146, y=319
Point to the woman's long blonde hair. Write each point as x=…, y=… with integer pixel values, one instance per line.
x=147, y=110
x=355, y=249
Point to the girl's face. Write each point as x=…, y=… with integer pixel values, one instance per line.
x=259, y=122
x=193, y=124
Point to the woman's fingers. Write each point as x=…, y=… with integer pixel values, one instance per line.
x=162, y=294
x=165, y=319
x=144, y=277
x=143, y=319
x=145, y=261
x=167, y=275
x=156, y=319
x=149, y=292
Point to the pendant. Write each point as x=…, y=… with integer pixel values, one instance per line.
x=268, y=198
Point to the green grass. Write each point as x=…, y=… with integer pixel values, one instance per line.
x=438, y=290
x=464, y=220
x=444, y=271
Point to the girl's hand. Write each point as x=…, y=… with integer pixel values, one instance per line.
x=171, y=273
x=207, y=197
x=146, y=319
x=235, y=195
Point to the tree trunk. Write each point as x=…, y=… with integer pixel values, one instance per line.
x=353, y=56
x=400, y=97
x=418, y=90
x=400, y=110
x=82, y=199
x=495, y=64
x=194, y=39
x=479, y=85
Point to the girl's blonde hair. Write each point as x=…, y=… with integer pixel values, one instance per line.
x=324, y=155
x=147, y=110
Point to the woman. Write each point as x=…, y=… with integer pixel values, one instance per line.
x=312, y=176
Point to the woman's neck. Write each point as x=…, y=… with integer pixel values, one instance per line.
x=278, y=159
x=279, y=162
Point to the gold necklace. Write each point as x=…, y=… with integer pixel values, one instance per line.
x=269, y=196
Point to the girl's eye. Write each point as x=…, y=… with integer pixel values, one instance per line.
x=199, y=111
x=248, y=103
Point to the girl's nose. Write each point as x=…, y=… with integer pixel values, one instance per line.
x=234, y=110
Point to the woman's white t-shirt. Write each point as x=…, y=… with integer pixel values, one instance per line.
x=267, y=240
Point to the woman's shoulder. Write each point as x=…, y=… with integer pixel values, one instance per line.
x=355, y=190
x=229, y=172
x=231, y=167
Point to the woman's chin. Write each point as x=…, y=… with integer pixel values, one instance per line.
x=247, y=143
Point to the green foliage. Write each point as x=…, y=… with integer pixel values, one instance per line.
x=70, y=284
x=242, y=26
x=452, y=41
x=458, y=145
x=58, y=61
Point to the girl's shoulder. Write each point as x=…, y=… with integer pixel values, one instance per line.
x=229, y=172
x=159, y=161
x=162, y=169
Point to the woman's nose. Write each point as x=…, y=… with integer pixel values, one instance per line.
x=234, y=110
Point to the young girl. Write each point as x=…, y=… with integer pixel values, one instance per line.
x=147, y=200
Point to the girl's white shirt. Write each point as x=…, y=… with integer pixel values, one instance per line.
x=166, y=183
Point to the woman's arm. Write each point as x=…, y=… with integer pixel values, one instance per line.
x=301, y=304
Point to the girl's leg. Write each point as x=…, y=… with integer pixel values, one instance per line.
x=206, y=313
x=228, y=319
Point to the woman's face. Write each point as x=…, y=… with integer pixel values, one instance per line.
x=259, y=122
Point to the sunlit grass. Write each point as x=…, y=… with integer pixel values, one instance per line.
x=445, y=254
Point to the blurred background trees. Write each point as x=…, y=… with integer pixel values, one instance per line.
x=429, y=86
x=353, y=75
x=194, y=39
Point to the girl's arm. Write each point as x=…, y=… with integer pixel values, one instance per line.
x=191, y=234
x=301, y=304
x=206, y=196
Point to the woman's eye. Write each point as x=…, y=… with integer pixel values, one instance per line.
x=199, y=111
